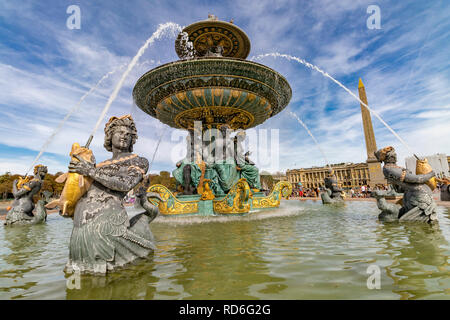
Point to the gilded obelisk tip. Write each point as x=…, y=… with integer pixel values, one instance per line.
x=360, y=85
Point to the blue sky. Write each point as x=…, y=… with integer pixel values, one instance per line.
x=45, y=68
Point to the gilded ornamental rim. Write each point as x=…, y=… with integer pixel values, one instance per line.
x=234, y=40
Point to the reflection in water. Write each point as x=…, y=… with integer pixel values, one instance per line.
x=303, y=250
x=20, y=246
x=130, y=283
x=419, y=255
x=220, y=260
x=31, y=259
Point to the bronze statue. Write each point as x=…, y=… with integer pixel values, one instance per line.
x=417, y=203
x=187, y=174
x=332, y=194
x=21, y=211
x=244, y=165
x=103, y=237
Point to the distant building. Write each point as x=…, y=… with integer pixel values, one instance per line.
x=349, y=175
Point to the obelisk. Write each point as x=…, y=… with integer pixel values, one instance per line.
x=375, y=173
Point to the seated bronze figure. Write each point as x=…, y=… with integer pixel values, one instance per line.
x=21, y=212
x=417, y=203
x=332, y=194
x=103, y=236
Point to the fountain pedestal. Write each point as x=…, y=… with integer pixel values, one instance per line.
x=239, y=200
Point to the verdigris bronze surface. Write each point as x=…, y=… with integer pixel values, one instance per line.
x=187, y=174
x=23, y=191
x=103, y=237
x=417, y=203
x=214, y=90
x=245, y=166
x=332, y=194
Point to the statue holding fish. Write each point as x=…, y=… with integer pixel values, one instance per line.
x=104, y=237
x=75, y=184
x=21, y=211
x=417, y=203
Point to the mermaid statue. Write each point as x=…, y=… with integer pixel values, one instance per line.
x=103, y=237
x=21, y=211
x=417, y=203
x=332, y=194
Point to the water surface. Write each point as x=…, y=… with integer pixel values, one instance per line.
x=303, y=250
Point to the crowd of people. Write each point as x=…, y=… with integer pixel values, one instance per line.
x=361, y=192
x=307, y=192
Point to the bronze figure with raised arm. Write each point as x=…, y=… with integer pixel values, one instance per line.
x=103, y=237
x=21, y=212
x=333, y=193
x=417, y=202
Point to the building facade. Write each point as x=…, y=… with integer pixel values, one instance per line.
x=349, y=175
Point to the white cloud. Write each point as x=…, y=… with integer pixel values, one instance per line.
x=404, y=67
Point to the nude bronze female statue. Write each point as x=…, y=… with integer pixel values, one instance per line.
x=21, y=212
x=103, y=237
x=418, y=203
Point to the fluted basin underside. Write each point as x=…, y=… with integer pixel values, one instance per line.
x=215, y=91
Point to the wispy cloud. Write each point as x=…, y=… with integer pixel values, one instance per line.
x=45, y=69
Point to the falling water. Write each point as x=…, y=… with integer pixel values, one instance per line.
x=162, y=29
x=312, y=136
x=186, y=47
x=76, y=107
x=156, y=149
x=309, y=65
x=71, y=111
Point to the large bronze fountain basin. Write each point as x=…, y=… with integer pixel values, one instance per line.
x=213, y=90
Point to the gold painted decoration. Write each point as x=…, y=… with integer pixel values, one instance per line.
x=23, y=181
x=205, y=41
x=108, y=162
x=76, y=185
x=202, y=165
x=207, y=193
x=423, y=167
x=215, y=117
x=237, y=201
x=170, y=204
x=211, y=33
x=281, y=189
x=114, y=118
x=212, y=82
x=37, y=168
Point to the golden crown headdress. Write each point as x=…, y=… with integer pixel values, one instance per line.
x=36, y=168
x=383, y=152
x=114, y=118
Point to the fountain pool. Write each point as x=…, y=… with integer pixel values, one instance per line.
x=302, y=250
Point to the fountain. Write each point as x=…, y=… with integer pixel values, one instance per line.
x=211, y=92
